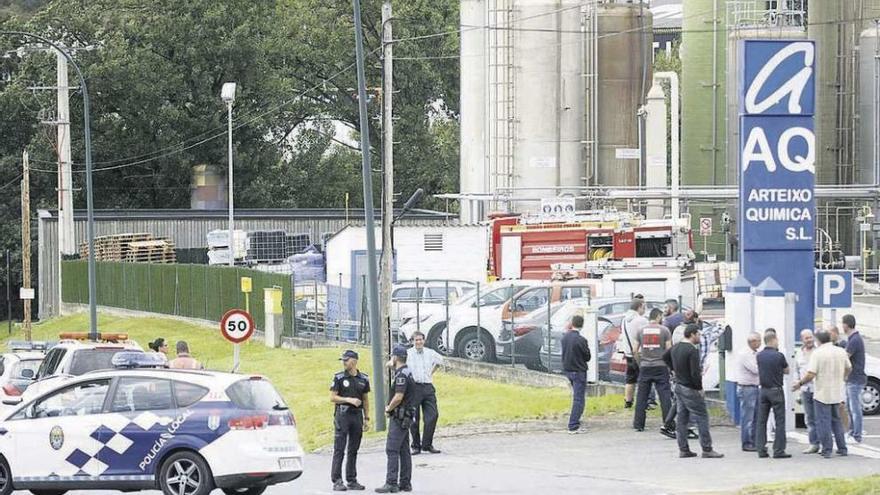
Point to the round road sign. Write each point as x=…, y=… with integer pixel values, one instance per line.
x=237, y=326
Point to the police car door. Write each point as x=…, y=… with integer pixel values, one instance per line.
x=143, y=414
x=59, y=435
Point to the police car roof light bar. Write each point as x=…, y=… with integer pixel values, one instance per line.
x=21, y=345
x=102, y=336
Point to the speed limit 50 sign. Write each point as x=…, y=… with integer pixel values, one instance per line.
x=237, y=326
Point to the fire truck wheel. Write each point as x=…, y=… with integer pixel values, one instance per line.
x=476, y=345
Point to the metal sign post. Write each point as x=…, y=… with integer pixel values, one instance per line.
x=236, y=326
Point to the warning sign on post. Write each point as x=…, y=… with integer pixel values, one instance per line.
x=705, y=227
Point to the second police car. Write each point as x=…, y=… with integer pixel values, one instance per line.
x=183, y=432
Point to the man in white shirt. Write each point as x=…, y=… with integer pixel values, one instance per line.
x=422, y=362
x=747, y=391
x=802, y=363
x=633, y=322
x=829, y=366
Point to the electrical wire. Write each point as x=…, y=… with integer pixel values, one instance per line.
x=13, y=181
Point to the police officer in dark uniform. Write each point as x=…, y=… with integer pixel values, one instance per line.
x=401, y=410
x=351, y=417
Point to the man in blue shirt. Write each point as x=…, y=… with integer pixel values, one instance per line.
x=771, y=368
x=855, y=348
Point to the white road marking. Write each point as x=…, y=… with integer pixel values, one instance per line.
x=862, y=450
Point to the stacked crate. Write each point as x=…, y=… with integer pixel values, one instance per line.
x=131, y=247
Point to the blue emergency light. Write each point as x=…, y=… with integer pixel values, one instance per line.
x=21, y=345
x=137, y=359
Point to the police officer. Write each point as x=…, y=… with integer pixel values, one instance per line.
x=349, y=392
x=401, y=409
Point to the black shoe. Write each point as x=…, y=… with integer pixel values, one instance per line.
x=639, y=428
x=782, y=456
x=354, y=485
x=692, y=435
x=666, y=432
x=749, y=448
x=416, y=451
x=339, y=486
x=686, y=453
x=430, y=450
x=763, y=454
x=406, y=488
x=386, y=488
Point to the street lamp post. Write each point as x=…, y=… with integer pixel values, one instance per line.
x=90, y=207
x=228, y=96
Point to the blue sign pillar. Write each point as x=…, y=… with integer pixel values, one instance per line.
x=777, y=168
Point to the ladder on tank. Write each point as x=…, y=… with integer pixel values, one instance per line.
x=501, y=97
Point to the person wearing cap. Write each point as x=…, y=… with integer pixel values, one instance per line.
x=423, y=362
x=401, y=409
x=349, y=392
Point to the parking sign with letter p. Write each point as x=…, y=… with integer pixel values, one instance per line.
x=834, y=289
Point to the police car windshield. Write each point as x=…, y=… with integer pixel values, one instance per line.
x=255, y=394
x=86, y=360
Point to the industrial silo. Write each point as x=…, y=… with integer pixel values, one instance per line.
x=550, y=90
x=869, y=105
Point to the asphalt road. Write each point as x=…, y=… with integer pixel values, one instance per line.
x=608, y=459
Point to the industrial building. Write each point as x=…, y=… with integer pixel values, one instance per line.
x=188, y=229
x=555, y=95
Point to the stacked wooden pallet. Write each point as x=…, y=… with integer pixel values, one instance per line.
x=131, y=247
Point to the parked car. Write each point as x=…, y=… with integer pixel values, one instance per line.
x=18, y=368
x=146, y=429
x=410, y=298
x=609, y=320
x=433, y=322
x=871, y=392
x=75, y=355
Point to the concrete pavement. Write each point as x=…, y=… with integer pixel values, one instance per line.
x=610, y=458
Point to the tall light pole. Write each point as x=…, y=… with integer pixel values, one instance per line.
x=90, y=207
x=228, y=96
x=372, y=286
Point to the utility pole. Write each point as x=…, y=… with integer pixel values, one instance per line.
x=8, y=295
x=387, y=259
x=26, y=243
x=66, y=241
x=372, y=289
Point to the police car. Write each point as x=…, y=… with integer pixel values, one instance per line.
x=183, y=432
x=18, y=368
x=74, y=355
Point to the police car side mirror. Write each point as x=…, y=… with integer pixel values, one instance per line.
x=12, y=401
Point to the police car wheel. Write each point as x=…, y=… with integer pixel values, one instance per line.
x=185, y=473
x=254, y=490
x=5, y=478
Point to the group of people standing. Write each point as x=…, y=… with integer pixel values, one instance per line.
x=183, y=361
x=413, y=397
x=654, y=354
x=830, y=376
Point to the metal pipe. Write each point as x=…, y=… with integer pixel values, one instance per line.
x=372, y=290
x=714, y=95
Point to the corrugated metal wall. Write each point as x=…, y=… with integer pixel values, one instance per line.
x=186, y=228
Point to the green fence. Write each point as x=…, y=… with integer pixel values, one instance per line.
x=194, y=291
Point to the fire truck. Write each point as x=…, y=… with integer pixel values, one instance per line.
x=534, y=248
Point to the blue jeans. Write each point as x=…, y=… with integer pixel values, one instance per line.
x=854, y=405
x=828, y=427
x=578, y=381
x=810, y=416
x=748, y=403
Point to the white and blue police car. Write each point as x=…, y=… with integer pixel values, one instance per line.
x=184, y=432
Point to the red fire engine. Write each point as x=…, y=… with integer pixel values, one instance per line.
x=525, y=247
